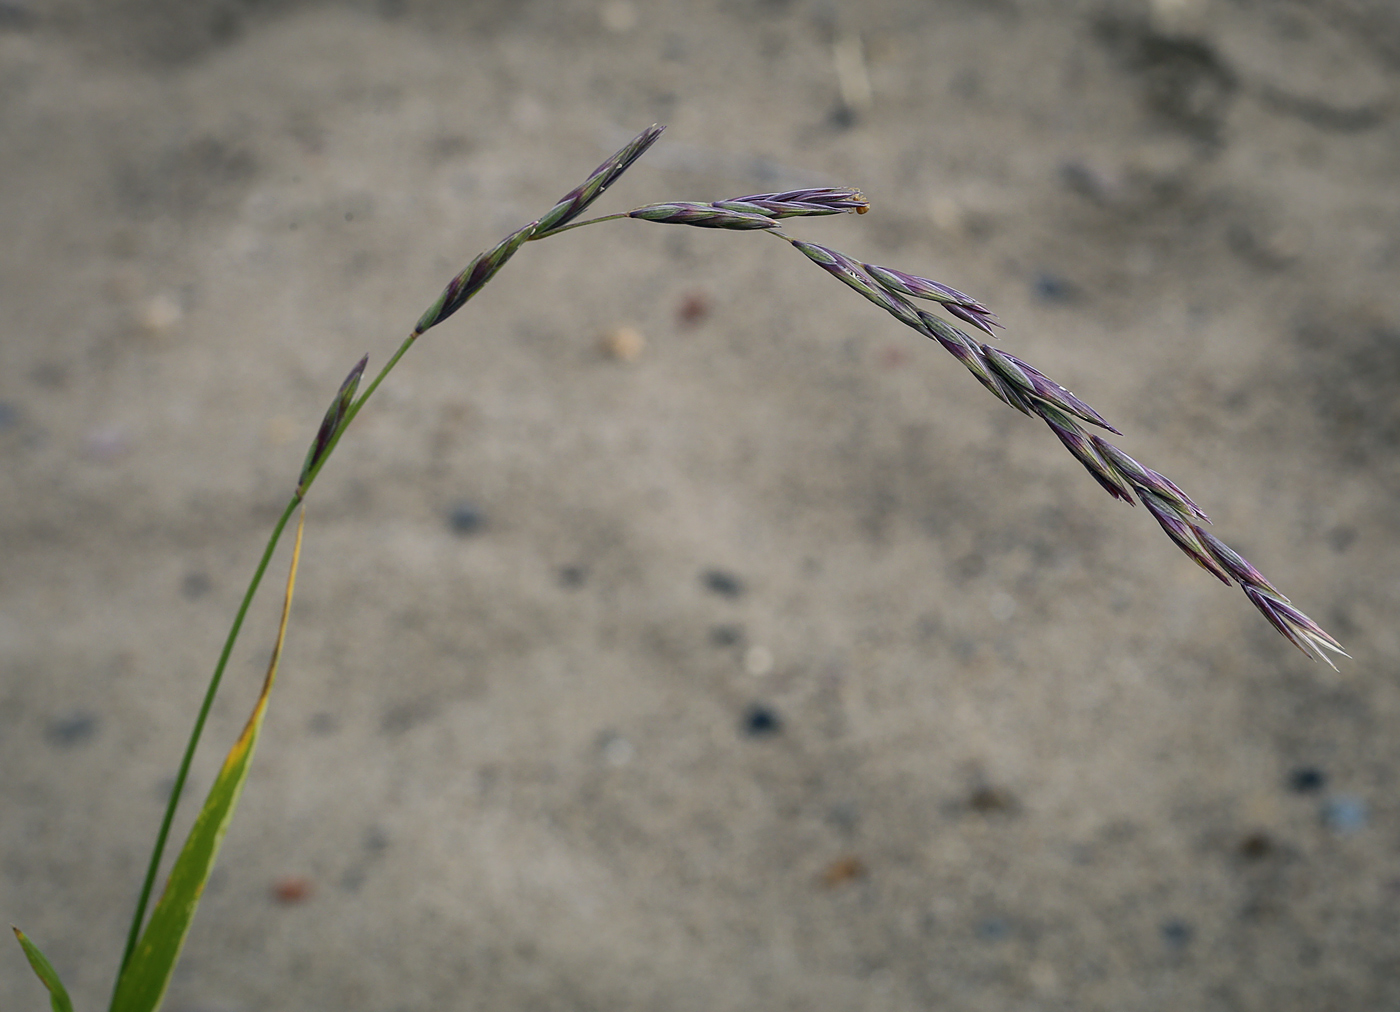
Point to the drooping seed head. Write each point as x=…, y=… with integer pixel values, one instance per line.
x=702, y=216
x=576, y=201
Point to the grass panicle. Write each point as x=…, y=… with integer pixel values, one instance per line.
x=1032, y=392
x=144, y=970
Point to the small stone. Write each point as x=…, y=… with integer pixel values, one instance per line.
x=624, y=344
x=758, y=660
x=761, y=721
x=292, y=889
x=693, y=308
x=988, y=800
x=465, y=519
x=617, y=750
x=993, y=929
x=66, y=732
x=573, y=577
x=1306, y=780
x=1050, y=287
x=846, y=869
x=726, y=635
x=9, y=415
x=194, y=586
x=1256, y=846
x=1176, y=933
x=725, y=584
x=159, y=314
x=1345, y=815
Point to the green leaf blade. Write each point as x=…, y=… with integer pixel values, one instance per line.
x=43, y=969
x=146, y=978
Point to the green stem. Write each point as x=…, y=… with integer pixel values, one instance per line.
x=159, y=850
x=577, y=224
x=181, y=776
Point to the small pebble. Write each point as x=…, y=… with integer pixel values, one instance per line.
x=847, y=869
x=9, y=415
x=194, y=586
x=1176, y=933
x=1256, y=846
x=726, y=635
x=761, y=721
x=376, y=839
x=993, y=929
x=66, y=732
x=465, y=519
x=1345, y=815
x=291, y=889
x=159, y=314
x=988, y=800
x=758, y=660
x=717, y=581
x=624, y=344
x=693, y=308
x=1053, y=288
x=573, y=577
x=617, y=750
x=1306, y=780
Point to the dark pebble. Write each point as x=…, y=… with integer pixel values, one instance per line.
x=992, y=800
x=761, y=721
x=194, y=586
x=1256, y=846
x=717, y=581
x=9, y=415
x=1306, y=780
x=1176, y=933
x=1053, y=288
x=465, y=519
x=573, y=577
x=66, y=732
x=993, y=929
x=726, y=635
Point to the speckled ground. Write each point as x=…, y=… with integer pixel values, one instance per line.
x=753, y=657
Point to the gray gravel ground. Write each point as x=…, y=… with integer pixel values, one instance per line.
x=776, y=665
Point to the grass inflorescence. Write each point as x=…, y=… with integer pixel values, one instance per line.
x=149, y=958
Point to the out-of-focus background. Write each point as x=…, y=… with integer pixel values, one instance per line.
x=675, y=630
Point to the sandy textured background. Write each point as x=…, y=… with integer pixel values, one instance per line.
x=1019, y=752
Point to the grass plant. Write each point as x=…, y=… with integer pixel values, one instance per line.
x=153, y=944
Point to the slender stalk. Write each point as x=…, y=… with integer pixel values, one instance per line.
x=576, y=224
x=134, y=932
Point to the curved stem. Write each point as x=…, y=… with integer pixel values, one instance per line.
x=134, y=932
x=183, y=773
